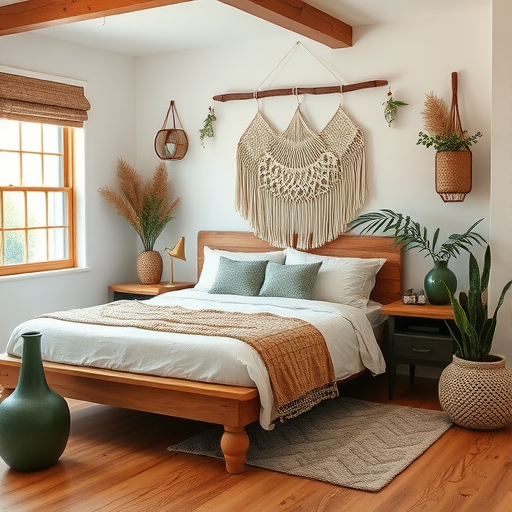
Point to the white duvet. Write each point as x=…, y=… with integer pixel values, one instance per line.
x=347, y=331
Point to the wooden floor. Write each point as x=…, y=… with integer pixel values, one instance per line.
x=117, y=460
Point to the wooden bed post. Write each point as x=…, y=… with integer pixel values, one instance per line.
x=234, y=445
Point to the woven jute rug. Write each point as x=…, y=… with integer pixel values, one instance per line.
x=343, y=441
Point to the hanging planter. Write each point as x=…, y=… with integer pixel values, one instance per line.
x=453, y=175
x=171, y=143
x=446, y=136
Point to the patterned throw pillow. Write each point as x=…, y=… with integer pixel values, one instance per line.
x=239, y=277
x=292, y=281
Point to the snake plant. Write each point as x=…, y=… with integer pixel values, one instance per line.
x=474, y=330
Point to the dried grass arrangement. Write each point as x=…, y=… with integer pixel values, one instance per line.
x=443, y=126
x=144, y=204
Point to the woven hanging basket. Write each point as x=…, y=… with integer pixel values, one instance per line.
x=477, y=394
x=453, y=174
x=171, y=143
x=453, y=168
x=149, y=267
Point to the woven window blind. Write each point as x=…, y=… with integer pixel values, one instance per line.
x=42, y=101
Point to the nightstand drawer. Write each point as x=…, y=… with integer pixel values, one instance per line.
x=424, y=348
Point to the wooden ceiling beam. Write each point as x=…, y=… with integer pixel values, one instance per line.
x=294, y=15
x=299, y=17
x=34, y=14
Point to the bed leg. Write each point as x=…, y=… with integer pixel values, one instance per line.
x=234, y=445
x=4, y=393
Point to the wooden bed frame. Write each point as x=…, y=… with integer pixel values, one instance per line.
x=233, y=407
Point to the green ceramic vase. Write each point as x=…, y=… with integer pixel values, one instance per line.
x=34, y=420
x=435, y=280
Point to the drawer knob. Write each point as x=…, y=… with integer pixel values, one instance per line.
x=422, y=350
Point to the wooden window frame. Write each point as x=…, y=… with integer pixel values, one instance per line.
x=69, y=190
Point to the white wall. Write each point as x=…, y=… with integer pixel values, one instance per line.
x=109, y=133
x=501, y=177
x=416, y=57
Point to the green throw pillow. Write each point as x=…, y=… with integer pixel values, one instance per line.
x=239, y=277
x=293, y=281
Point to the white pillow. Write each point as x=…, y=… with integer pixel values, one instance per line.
x=211, y=263
x=343, y=280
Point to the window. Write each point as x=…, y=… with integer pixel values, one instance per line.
x=39, y=122
x=36, y=197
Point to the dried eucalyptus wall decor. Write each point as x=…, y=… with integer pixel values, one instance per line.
x=207, y=130
x=391, y=107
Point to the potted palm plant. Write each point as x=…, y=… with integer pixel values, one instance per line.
x=475, y=389
x=409, y=234
x=147, y=207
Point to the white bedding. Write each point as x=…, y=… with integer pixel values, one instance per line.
x=347, y=332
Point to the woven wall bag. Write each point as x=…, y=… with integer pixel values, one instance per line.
x=171, y=143
x=475, y=394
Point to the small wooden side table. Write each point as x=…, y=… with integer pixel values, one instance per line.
x=132, y=291
x=417, y=335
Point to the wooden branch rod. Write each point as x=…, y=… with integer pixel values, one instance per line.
x=296, y=91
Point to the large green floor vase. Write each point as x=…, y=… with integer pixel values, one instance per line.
x=34, y=420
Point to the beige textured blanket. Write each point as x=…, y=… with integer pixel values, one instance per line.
x=294, y=352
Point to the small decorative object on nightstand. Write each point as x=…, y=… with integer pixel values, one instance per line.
x=137, y=291
x=178, y=251
x=417, y=335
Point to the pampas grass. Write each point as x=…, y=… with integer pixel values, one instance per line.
x=436, y=116
x=145, y=205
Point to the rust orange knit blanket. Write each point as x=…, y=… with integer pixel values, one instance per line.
x=294, y=352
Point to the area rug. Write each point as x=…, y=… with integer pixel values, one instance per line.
x=343, y=441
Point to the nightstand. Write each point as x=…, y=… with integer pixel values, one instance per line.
x=131, y=291
x=417, y=335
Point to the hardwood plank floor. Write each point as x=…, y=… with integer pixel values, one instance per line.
x=117, y=460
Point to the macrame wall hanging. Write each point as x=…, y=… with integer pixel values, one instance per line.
x=300, y=188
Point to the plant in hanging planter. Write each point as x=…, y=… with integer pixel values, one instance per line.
x=441, y=134
x=445, y=135
x=146, y=205
x=409, y=234
x=475, y=373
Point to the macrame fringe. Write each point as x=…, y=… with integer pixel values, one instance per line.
x=300, y=188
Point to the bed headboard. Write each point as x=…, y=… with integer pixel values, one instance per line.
x=388, y=284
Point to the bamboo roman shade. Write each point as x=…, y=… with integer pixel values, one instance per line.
x=42, y=101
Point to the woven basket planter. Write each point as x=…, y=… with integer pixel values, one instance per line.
x=453, y=175
x=477, y=395
x=149, y=267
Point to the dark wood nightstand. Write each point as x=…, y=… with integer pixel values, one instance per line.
x=131, y=291
x=417, y=335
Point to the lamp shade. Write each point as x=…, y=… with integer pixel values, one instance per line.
x=178, y=251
